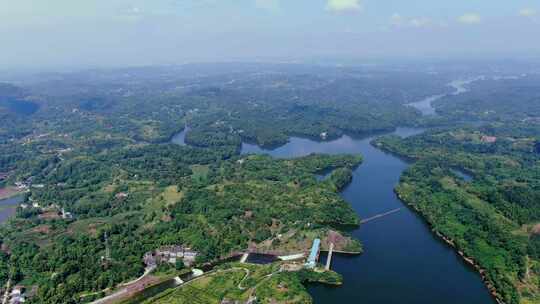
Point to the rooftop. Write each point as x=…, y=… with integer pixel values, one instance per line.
x=314, y=252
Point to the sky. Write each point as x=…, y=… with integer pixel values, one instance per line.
x=72, y=33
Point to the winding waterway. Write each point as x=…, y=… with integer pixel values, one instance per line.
x=180, y=138
x=425, y=106
x=403, y=261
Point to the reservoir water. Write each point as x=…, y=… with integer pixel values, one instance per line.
x=403, y=261
x=180, y=138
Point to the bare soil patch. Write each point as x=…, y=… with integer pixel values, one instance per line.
x=536, y=229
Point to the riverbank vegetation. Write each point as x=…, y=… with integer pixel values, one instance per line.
x=492, y=219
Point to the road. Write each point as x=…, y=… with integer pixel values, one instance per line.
x=124, y=290
x=6, y=294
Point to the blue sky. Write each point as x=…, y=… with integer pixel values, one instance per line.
x=135, y=32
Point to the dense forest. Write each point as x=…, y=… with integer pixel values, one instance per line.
x=493, y=218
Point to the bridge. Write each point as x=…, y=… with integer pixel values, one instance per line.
x=329, y=256
x=369, y=219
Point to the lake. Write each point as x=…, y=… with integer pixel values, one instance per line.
x=180, y=138
x=403, y=261
x=462, y=174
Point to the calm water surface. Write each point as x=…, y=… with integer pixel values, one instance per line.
x=403, y=262
x=180, y=138
x=463, y=175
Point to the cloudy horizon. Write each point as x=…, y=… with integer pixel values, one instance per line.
x=36, y=33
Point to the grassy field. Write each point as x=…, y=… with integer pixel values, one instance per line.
x=208, y=290
x=240, y=282
x=199, y=171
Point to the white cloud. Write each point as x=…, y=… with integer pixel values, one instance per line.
x=267, y=4
x=344, y=5
x=528, y=12
x=470, y=18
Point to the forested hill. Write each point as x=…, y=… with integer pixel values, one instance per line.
x=264, y=104
x=16, y=105
x=494, y=218
x=135, y=199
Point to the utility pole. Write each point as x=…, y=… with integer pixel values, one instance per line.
x=107, y=257
x=107, y=249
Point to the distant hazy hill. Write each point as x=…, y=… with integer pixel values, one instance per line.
x=12, y=100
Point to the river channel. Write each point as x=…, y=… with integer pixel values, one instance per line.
x=403, y=261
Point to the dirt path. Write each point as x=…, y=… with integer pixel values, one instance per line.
x=146, y=272
x=6, y=294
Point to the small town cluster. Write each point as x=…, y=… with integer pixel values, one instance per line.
x=171, y=255
x=49, y=212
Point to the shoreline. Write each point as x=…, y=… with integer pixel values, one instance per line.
x=343, y=252
x=466, y=259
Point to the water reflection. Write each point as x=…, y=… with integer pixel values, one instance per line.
x=298, y=147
